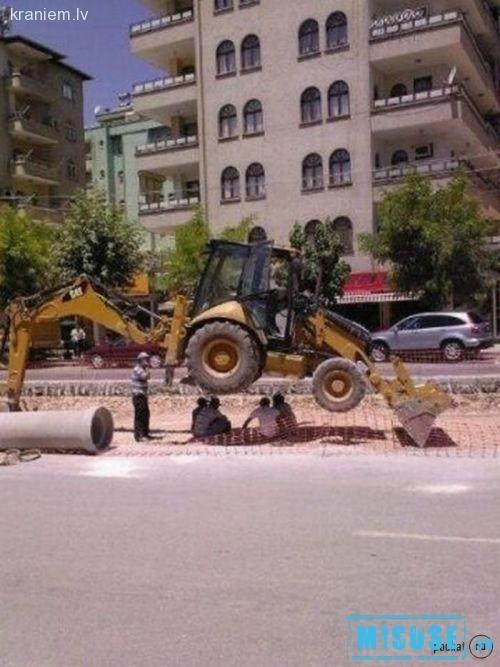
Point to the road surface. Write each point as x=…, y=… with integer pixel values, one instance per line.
x=487, y=366
x=237, y=560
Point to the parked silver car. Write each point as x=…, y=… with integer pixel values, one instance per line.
x=453, y=334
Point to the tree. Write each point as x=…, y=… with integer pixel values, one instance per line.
x=98, y=240
x=27, y=258
x=435, y=240
x=182, y=266
x=324, y=270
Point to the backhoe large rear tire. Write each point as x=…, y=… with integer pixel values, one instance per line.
x=222, y=358
x=338, y=385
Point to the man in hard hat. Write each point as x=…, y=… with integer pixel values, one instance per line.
x=140, y=379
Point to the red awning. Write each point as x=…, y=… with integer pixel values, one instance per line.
x=367, y=283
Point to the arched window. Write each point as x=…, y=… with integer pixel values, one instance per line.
x=336, y=30
x=310, y=229
x=399, y=90
x=230, y=183
x=309, y=37
x=312, y=172
x=257, y=235
x=310, y=105
x=226, y=57
x=250, y=52
x=399, y=157
x=338, y=100
x=71, y=170
x=220, y=5
x=228, y=121
x=340, y=167
x=256, y=180
x=343, y=227
x=253, y=117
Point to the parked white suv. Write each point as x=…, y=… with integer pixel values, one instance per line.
x=453, y=334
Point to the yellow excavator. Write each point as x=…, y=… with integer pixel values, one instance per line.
x=248, y=317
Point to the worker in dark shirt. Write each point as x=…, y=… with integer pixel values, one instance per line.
x=201, y=405
x=287, y=421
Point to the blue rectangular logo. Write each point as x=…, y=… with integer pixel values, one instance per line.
x=392, y=637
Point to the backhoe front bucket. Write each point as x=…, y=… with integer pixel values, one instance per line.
x=417, y=415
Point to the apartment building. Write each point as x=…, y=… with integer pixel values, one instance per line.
x=113, y=146
x=306, y=110
x=42, y=148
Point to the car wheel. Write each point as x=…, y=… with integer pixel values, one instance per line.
x=155, y=361
x=97, y=361
x=380, y=352
x=452, y=351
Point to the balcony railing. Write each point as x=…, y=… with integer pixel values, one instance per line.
x=415, y=98
x=28, y=167
x=429, y=168
x=160, y=23
x=32, y=85
x=163, y=83
x=153, y=204
x=45, y=129
x=167, y=145
x=404, y=26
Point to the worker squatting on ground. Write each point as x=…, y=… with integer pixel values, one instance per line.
x=140, y=379
x=208, y=419
x=267, y=417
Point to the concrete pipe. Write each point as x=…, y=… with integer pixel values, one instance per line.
x=83, y=430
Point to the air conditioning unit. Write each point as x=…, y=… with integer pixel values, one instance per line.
x=425, y=152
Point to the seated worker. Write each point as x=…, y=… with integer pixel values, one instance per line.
x=287, y=421
x=267, y=417
x=210, y=420
x=201, y=404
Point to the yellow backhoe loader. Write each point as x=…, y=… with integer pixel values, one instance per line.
x=248, y=317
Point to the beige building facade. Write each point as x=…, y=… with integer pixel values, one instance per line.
x=42, y=144
x=300, y=111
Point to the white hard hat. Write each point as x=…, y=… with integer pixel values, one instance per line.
x=143, y=355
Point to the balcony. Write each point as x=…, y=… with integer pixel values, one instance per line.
x=162, y=98
x=27, y=86
x=25, y=169
x=163, y=217
x=432, y=168
x=444, y=110
x=32, y=131
x=439, y=39
x=155, y=40
x=163, y=156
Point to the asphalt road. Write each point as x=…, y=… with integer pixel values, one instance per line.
x=238, y=560
x=487, y=366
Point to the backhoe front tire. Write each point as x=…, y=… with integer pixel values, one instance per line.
x=338, y=385
x=222, y=358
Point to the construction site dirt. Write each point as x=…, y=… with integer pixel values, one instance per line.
x=470, y=428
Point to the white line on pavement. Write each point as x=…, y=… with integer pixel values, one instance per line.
x=430, y=538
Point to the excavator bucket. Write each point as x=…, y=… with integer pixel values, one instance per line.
x=417, y=416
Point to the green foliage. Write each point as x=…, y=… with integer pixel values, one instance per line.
x=27, y=259
x=324, y=270
x=98, y=240
x=435, y=240
x=182, y=266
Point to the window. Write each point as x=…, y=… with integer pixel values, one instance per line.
x=70, y=132
x=228, y=121
x=310, y=229
x=312, y=172
x=399, y=157
x=399, y=90
x=230, y=184
x=226, y=57
x=422, y=84
x=68, y=92
x=310, y=105
x=71, y=170
x=116, y=145
x=340, y=167
x=256, y=180
x=437, y=321
x=220, y=5
x=253, y=117
x=250, y=52
x=336, y=30
x=338, y=100
x=343, y=227
x=156, y=134
x=309, y=37
x=257, y=235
